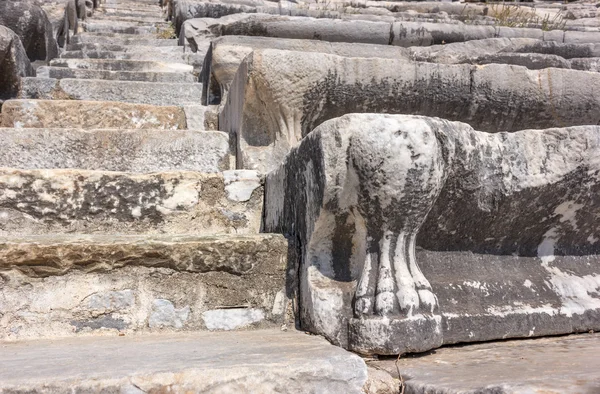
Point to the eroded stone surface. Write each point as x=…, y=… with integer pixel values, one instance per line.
x=31, y=24
x=90, y=115
x=65, y=285
x=548, y=365
x=504, y=224
x=271, y=107
x=154, y=93
x=14, y=64
x=115, y=150
x=63, y=201
x=284, y=362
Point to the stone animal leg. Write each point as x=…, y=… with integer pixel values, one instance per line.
x=406, y=292
x=365, y=290
x=384, y=295
x=428, y=300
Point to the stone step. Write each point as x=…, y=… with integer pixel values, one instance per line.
x=121, y=40
x=262, y=361
x=89, y=47
x=139, y=151
x=63, y=201
x=194, y=59
x=155, y=93
x=64, y=285
x=143, y=76
x=545, y=365
x=158, y=18
x=129, y=13
x=122, y=65
x=90, y=115
x=125, y=28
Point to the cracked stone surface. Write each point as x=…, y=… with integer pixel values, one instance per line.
x=282, y=362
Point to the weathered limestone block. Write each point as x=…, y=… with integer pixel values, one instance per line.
x=31, y=24
x=121, y=40
x=140, y=76
x=412, y=232
x=528, y=52
x=183, y=10
x=124, y=27
x=278, y=97
x=67, y=285
x=277, y=362
x=408, y=34
x=80, y=201
x=14, y=64
x=123, y=65
x=140, y=151
x=226, y=53
x=90, y=115
x=154, y=93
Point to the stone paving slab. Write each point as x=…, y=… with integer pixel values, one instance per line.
x=140, y=76
x=90, y=115
x=263, y=361
x=115, y=150
x=153, y=93
x=543, y=366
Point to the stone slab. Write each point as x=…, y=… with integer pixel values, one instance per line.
x=90, y=115
x=154, y=93
x=545, y=365
x=265, y=361
x=300, y=90
x=115, y=150
x=131, y=40
x=71, y=201
x=151, y=30
x=140, y=76
x=194, y=59
x=82, y=284
x=121, y=65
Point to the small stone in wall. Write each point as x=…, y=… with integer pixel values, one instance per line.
x=110, y=300
x=231, y=319
x=164, y=314
x=239, y=184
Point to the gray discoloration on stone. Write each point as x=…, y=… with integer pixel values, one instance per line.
x=359, y=189
x=14, y=64
x=63, y=201
x=31, y=24
x=135, y=151
x=52, y=285
x=101, y=322
x=164, y=314
x=90, y=115
x=241, y=184
x=284, y=362
x=268, y=111
x=231, y=319
x=227, y=53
